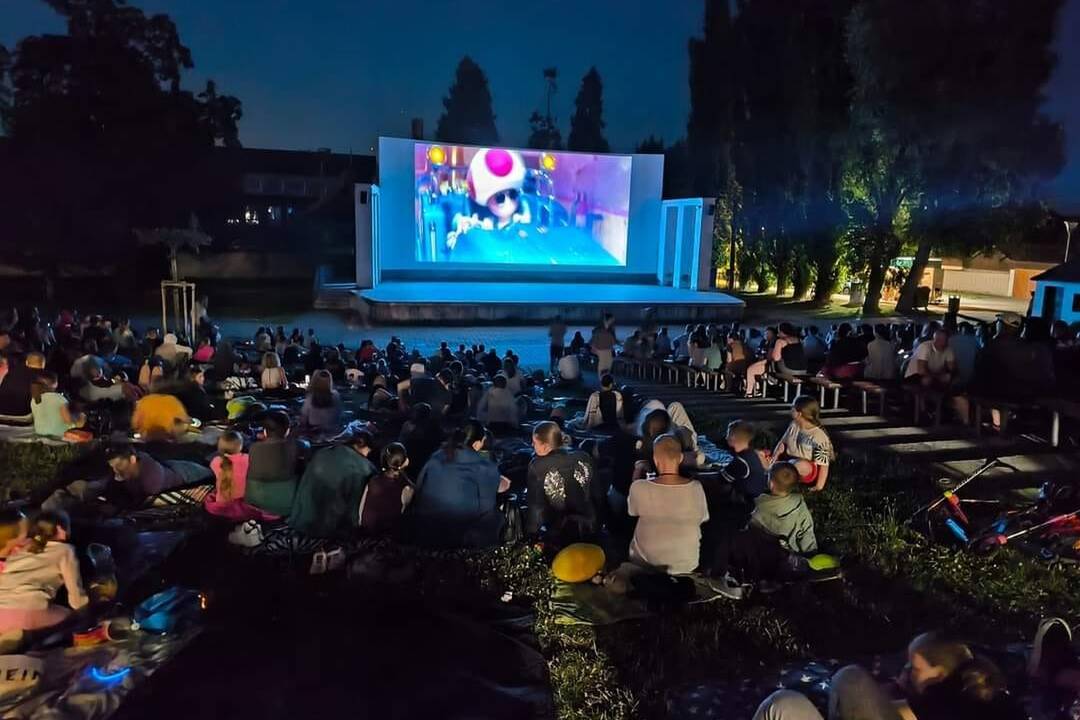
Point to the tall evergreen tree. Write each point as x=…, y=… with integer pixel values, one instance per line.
x=587, y=123
x=468, y=116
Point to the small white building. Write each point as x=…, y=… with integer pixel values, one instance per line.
x=1057, y=293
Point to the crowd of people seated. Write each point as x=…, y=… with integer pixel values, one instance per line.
x=1013, y=359
x=464, y=447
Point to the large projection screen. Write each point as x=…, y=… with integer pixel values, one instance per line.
x=448, y=208
x=520, y=207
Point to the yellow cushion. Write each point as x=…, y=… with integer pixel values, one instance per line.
x=821, y=561
x=578, y=562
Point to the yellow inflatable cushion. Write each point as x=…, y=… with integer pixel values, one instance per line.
x=578, y=562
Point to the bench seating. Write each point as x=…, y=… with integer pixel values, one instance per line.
x=790, y=381
x=867, y=388
x=825, y=384
x=921, y=395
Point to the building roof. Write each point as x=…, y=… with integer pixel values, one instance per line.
x=1065, y=272
x=320, y=163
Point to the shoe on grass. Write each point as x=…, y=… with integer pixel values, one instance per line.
x=1051, y=650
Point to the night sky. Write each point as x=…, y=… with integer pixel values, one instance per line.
x=339, y=73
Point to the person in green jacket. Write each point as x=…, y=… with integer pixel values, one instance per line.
x=272, y=464
x=782, y=512
x=780, y=535
x=327, y=502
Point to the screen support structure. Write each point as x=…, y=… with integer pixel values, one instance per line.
x=687, y=227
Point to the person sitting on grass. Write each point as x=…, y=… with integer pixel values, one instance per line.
x=204, y=353
x=327, y=502
x=806, y=443
x=388, y=494
x=52, y=414
x=559, y=488
x=230, y=468
x=273, y=376
x=943, y=680
x=321, y=410
x=670, y=510
x=782, y=512
x=498, y=408
x=456, y=491
x=272, y=464
x=35, y=573
x=604, y=408
x=98, y=387
x=746, y=471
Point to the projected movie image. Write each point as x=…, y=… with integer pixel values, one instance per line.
x=520, y=207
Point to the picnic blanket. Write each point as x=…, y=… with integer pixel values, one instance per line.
x=26, y=434
x=590, y=604
x=84, y=683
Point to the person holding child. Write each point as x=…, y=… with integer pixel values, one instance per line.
x=806, y=443
x=34, y=574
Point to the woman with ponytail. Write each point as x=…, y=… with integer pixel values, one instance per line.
x=560, y=480
x=387, y=494
x=455, y=503
x=33, y=575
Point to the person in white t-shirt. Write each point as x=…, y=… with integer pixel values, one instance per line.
x=934, y=363
x=670, y=510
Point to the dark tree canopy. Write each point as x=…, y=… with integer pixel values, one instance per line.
x=101, y=137
x=587, y=123
x=468, y=116
x=544, y=131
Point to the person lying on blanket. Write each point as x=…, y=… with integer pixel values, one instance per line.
x=806, y=443
x=140, y=476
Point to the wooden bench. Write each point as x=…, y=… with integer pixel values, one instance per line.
x=790, y=381
x=982, y=402
x=867, y=388
x=920, y=395
x=824, y=384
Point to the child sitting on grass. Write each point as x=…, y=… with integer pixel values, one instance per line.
x=783, y=514
x=230, y=468
x=387, y=494
x=746, y=471
x=34, y=574
x=52, y=414
x=806, y=443
x=780, y=533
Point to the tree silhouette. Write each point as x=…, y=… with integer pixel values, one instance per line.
x=932, y=85
x=468, y=116
x=587, y=123
x=101, y=138
x=544, y=132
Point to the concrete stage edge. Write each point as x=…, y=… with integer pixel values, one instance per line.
x=489, y=302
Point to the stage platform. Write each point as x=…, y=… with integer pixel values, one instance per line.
x=449, y=302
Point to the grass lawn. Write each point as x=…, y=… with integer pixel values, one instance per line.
x=768, y=307
x=896, y=584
